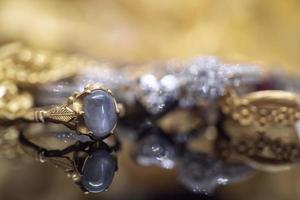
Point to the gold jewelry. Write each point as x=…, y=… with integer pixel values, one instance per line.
x=22, y=69
x=262, y=129
x=92, y=112
x=28, y=66
x=262, y=108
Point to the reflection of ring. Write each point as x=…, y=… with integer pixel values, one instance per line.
x=93, y=112
x=91, y=164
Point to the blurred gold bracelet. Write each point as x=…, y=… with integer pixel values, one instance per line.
x=262, y=128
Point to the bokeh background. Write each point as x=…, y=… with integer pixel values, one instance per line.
x=264, y=31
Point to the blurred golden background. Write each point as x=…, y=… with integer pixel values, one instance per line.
x=264, y=31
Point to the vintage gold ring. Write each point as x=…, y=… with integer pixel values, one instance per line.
x=93, y=112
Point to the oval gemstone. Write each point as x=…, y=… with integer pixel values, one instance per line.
x=98, y=171
x=100, y=114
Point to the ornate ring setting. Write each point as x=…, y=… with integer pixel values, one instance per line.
x=93, y=112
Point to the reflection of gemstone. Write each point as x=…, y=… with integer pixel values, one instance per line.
x=202, y=173
x=155, y=150
x=98, y=171
x=297, y=126
x=100, y=114
x=234, y=172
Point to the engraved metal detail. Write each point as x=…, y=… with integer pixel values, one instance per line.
x=63, y=114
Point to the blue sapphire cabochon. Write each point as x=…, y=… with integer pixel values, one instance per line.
x=100, y=112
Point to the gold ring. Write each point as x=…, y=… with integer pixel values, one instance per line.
x=93, y=112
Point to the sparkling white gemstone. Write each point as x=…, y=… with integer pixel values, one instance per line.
x=156, y=93
x=200, y=79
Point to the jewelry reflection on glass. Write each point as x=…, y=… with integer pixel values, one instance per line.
x=93, y=112
x=202, y=173
x=155, y=148
x=90, y=164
